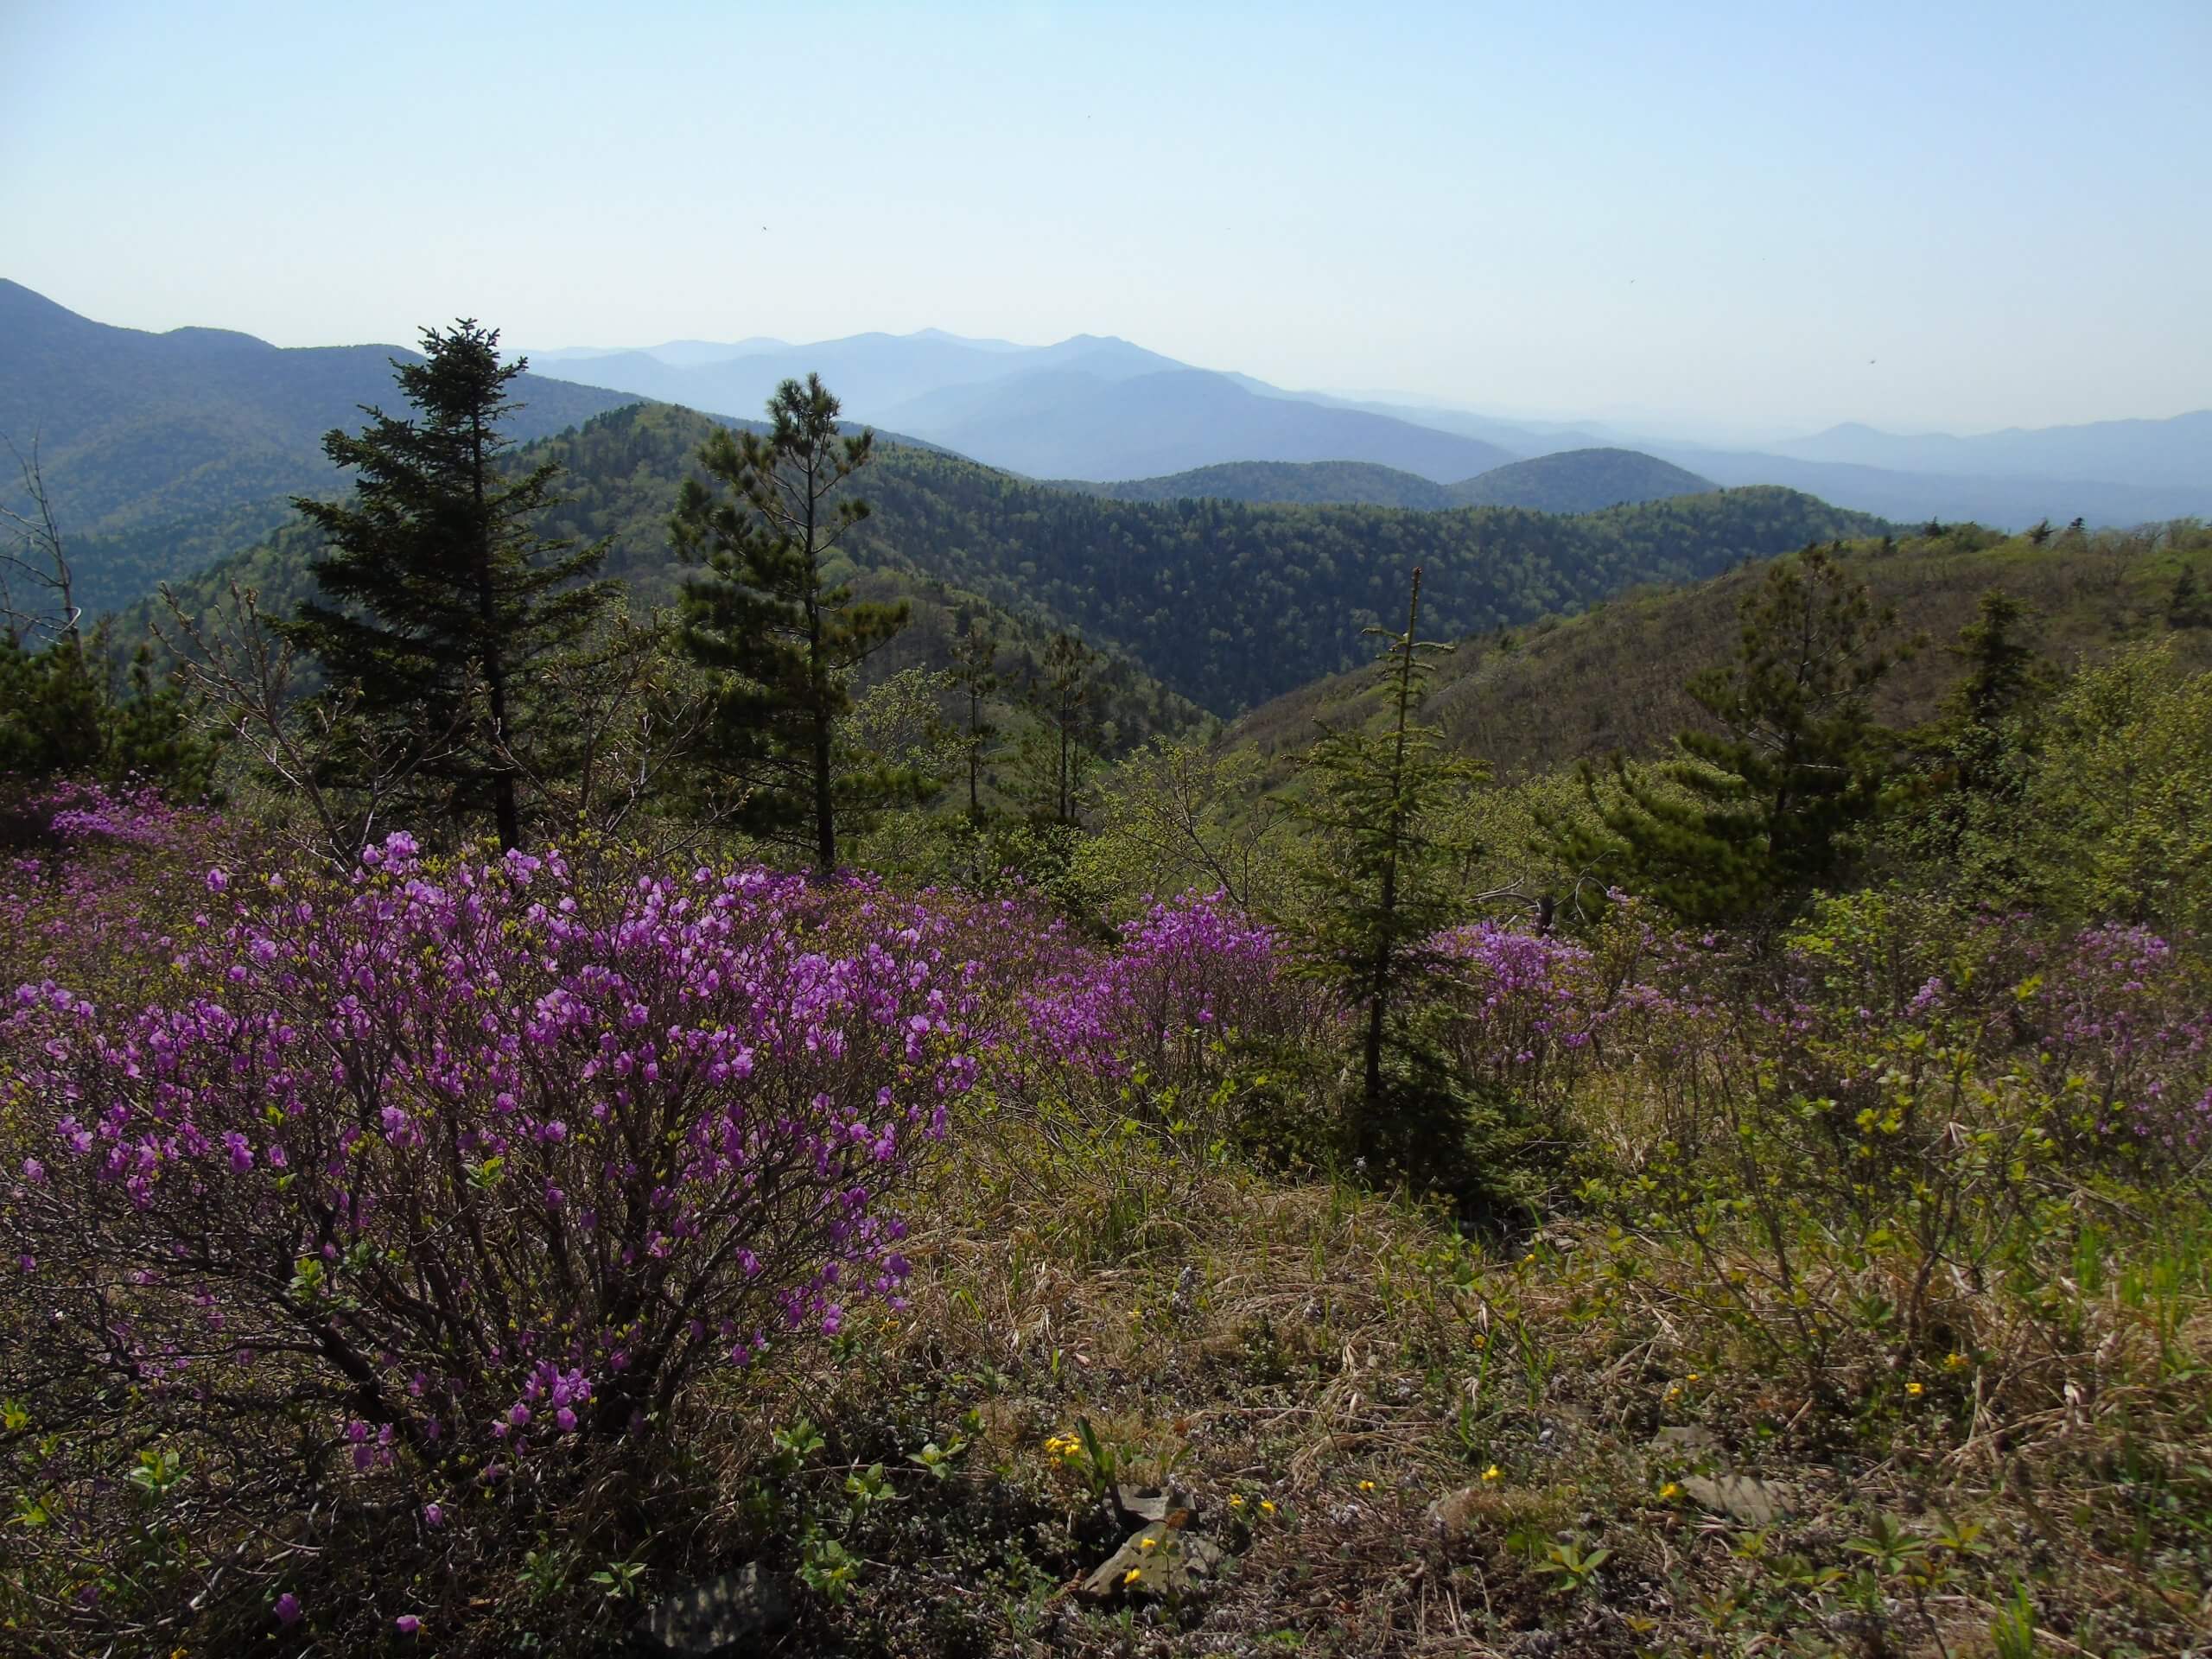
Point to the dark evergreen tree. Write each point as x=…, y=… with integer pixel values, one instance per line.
x=779, y=633
x=1378, y=890
x=975, y=676
x=1058, y=754
x=1999, y=664
x=1753, y=817
x=1975, y=762
x=2189, y=606
x=440, y=608
x=62, y=710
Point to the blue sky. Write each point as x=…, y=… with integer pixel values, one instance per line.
x=1755, y=217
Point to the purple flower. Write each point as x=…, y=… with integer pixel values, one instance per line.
x=407, y=1624
x=287, y=1608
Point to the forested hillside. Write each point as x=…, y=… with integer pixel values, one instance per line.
x=1528, y=699
x=1580, y=480
x=1356, y=483
x=134, y=429
x=1226, y=603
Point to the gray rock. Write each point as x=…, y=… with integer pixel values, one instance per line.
x=1754, y=1502
x=1177, y=1562
x=1144, y=1503
x=722, y=1619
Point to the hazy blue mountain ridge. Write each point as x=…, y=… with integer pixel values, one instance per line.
x=134, y=427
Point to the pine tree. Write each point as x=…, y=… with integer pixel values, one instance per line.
x=1977, y=760
x=778, y=636
x=1753, y=817
x=1058, y=756
x=2188, y=605
x=1379, y=890
x=439, y=606
x=1999, y=664
x=975, y=676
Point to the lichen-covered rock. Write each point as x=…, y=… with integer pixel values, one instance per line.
x=1160, y=1560
x=1754, y=1502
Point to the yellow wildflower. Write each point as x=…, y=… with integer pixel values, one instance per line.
x=1956, y=1361
x=1670, y=1490
x=1267, y=1506
x=1493, y=1473
x=1133, y=1575
x=1236, y=1500
x=1366, y=1485
x=1914, y=1389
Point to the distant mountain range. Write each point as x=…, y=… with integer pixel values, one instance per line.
x=135, y=428
x=1580, y=480
x=2170, y=454
x=1096, y=409
x=1070, y=423
x=139, y=430
x=2008, y=503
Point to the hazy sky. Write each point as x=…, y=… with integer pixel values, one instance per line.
x=1766, y=215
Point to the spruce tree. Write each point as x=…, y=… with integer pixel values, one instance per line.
x=1977, y=761
x=1378, y=891
x=779, y=639
x=2189, y=606
x=440, y=607
x=975, y=676
x=1753, y=817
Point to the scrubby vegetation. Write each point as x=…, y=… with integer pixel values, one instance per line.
x=404, y=1244
x=1748, y=1200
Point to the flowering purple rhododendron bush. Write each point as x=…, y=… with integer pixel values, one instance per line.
x=485, y=1159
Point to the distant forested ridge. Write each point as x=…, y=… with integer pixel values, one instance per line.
x=1580, y=481
x=1226, y=603
x=1525, y=701
x=1311, y=483
x=134, y=427
x=1573, y=481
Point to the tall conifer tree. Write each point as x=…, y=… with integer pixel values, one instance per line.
x=779, y=637
x=976, y=676
x=1380, y=890
x=439, y=605
x=1751, y=817
x=1056, y=756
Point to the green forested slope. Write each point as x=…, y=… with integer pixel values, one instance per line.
x=1306, y=482
x=1580, y=480
x=1226, y=603
x=1528, y=699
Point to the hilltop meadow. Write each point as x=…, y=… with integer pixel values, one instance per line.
x=609, y=1050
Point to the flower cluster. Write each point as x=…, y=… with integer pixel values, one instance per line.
x=1185, y=974
x=491, y=1156
x=2124, y=1021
